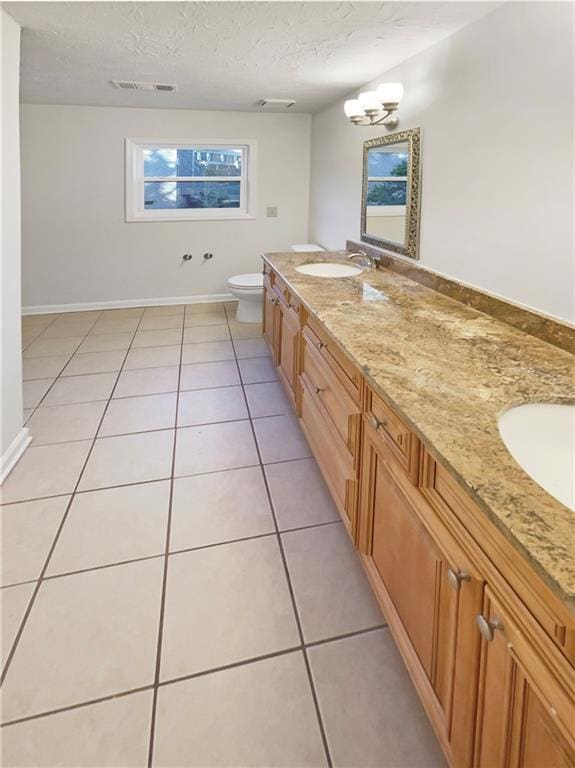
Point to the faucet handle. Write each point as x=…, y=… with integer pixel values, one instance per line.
x=369, y=261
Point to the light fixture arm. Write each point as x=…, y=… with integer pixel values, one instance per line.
x=376, y=107
x=378, y=119
x=389, y=110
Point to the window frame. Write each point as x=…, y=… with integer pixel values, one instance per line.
x=386, y=210
x=134, y=180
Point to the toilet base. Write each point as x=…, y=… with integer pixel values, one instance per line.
x=249, y=311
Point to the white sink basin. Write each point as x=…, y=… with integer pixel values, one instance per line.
x=541, y=439
x=329, y=269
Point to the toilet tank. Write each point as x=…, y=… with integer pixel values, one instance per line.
x=307, y=247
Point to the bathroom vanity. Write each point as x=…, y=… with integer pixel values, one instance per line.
x=398, y=389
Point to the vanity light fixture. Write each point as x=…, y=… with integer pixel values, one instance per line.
x=376, y=107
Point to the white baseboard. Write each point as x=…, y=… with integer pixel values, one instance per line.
x=47, y=309
x=14, y=452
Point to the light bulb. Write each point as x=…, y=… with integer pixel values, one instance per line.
x=369, y=100
x=353, y=108
x=390, y=93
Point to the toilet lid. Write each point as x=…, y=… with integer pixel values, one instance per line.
x=253, y=280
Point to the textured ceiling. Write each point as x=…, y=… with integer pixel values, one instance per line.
x=222, y=55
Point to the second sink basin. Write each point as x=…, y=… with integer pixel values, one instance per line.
x=541, y=439
x=329, y=269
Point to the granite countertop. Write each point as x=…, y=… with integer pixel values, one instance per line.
x=450, y=371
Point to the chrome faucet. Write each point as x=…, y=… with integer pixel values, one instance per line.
x=370, y=262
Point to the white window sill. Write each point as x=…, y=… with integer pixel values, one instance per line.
x=205, y=216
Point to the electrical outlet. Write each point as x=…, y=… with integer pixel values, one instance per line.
x=272, y=212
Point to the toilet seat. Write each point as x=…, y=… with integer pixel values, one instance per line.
x=252, y=281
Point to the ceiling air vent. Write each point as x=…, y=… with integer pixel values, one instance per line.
x=132, y=85
x=276, y=103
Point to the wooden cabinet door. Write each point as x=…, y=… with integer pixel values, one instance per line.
x=271, y=302
x=461, y=706
x=288, y=347
x=536, y=741
x=409, y=565
x=429, y=592
x=522, y=717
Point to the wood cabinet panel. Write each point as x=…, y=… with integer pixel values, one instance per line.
x=525, y=716
x=537, y=742
x=407, y=562
x=388, y=427
x=288, y=350
x=331, y=455
x=429, y=590
x=456, y=508
x=270, y=318
x=341, y=408
x=335, y=358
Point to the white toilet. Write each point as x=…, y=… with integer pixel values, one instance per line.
x=248, y=289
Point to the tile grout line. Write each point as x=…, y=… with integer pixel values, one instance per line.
x=36, y=589
x=139, y=482
x=79, y=705
x=25, y=346
x=159, y=429
x=182, y=551
x=40, y=404
x=47, y=392
x=279, y=541
x=193, y=675
x=153, y=714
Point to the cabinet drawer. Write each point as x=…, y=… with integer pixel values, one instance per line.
x=331, y=455
x=402, y=443
x=286, y=298
x=347, y=373
x=340, y=406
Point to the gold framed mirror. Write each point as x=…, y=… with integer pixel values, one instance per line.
x=390, y=192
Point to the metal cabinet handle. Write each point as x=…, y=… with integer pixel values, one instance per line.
x=376, y=423
x=318, y=390
x=321, y=345
x=275, y=301
x=456, y=577
x=487, y=627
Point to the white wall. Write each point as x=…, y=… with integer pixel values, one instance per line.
x=76, y=245
x=13, y=437
x=495, y=104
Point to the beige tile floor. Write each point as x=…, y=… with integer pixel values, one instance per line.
x=177, y=587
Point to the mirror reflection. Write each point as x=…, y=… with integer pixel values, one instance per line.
x=390, y=206
x=387, y=192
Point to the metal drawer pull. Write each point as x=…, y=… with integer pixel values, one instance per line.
x=376, y=423
x=318, y=390
x=488, y=627
x=456, y=577
x=321, y=345
x=275, y=301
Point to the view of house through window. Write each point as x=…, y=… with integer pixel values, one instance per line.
x=192, y=178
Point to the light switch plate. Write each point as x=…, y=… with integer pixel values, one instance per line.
x=272, y=212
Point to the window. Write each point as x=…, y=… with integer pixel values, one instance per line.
x=387, y=180
x=169, y=180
